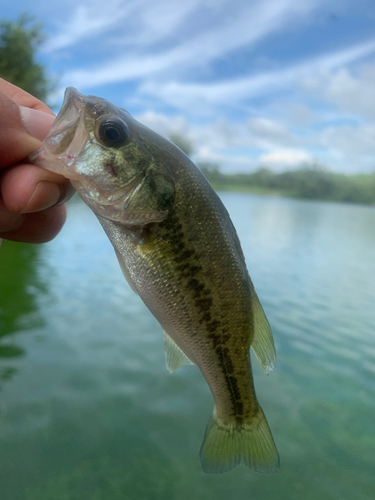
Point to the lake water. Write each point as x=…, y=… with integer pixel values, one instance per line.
x=89, y=411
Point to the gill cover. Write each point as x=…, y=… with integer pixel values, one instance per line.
x=151, y=199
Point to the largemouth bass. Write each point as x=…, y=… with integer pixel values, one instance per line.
x=179, y=251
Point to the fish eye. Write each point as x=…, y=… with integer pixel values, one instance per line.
x=113, y=133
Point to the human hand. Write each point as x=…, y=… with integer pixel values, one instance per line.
x=31, y=199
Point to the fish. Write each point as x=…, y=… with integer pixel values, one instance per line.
x=179, y=251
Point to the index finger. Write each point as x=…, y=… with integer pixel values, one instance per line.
x=23, y=98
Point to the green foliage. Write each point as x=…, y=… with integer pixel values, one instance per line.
x=19, y=42
x=312, y=183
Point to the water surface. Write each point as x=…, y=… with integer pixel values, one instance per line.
x=89, y=411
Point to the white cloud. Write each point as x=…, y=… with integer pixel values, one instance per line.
x=265, y=142
x=349, y=91
x=166, y=125
x=231, y=92
x=285, y=159
x=137, y=24
x=172, y=37
x=221, y=141
x=266, y=131
x=294, y=114
x=87, y=21
x=349, y=148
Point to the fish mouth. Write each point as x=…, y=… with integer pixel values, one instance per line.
x=59, y=151
x=71, y=110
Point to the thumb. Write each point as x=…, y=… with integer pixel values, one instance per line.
x=36, y=122
x=17, y=138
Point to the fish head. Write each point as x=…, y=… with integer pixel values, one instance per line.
x=97, y=146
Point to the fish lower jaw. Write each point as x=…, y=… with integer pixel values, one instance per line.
x=97, y=201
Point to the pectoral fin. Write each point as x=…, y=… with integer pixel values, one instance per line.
x=262, y=343
x=174, y=357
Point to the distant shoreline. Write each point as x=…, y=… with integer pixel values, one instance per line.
x=306, y=183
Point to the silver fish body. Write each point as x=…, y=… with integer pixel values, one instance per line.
x=179, y=251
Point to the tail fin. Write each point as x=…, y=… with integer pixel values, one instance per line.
x=250, y=442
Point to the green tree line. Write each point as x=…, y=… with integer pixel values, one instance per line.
x=19, y=42
x=313, y=183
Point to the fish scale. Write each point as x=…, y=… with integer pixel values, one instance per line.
x=179, y=251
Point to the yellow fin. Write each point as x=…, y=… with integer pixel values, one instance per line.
x=249, y=442
x=174, y=357
x=262, y=343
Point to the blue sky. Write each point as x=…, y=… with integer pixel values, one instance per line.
x=250, y=83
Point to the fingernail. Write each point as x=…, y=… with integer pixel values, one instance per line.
x=36, y=122
x=45, y=195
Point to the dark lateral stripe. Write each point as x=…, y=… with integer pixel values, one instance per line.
x=230, y=379
x=188, y=268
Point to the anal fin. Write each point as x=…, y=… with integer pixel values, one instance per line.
x=174, y=357
x=262, y=343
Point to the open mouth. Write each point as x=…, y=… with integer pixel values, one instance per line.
x=61, y=137
x=67, y=121
x=66, y=139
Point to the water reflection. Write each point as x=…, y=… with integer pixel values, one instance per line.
x=20, y=284
x=93, y=412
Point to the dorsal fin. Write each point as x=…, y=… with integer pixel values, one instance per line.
x=262, y=343
x=174, y=357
